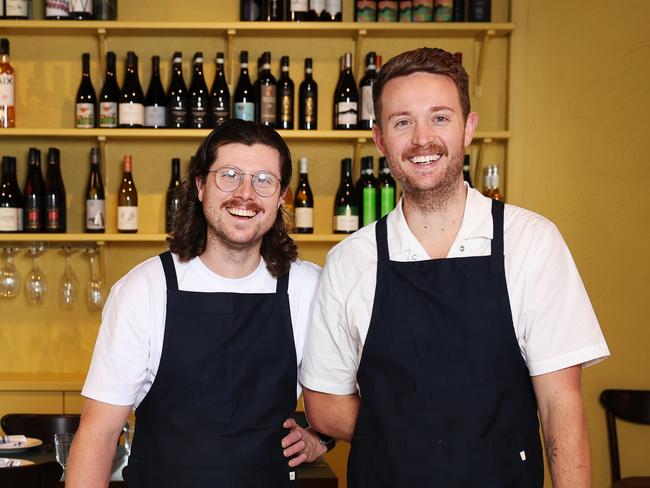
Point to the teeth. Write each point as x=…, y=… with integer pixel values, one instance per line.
x=425, y=159
x=241, y=212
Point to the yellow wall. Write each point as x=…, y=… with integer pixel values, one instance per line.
x=580, y=124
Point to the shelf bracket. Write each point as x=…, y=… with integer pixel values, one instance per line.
x=476, y=178
x=103, y=49
x=230, y=48
x=358, y=52
x=480, y=70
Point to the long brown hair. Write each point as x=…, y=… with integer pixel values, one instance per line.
x=189, y=236
x=423, y=60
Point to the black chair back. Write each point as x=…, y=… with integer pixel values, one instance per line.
x=45, y=475
x=42, y=426
x=632, y=406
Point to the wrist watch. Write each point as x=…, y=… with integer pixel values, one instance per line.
x=327, y=441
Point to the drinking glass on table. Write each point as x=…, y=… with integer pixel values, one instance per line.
x=62, y=444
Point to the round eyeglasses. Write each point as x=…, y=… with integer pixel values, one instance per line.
x=229, y=178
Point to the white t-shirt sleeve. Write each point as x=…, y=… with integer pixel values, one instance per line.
x=120, y=362
x=331, y=354
x=560, y=326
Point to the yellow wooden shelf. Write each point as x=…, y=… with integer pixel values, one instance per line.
x=42, y=381
x=101, y=238
x=199, y=134
x=258, y=29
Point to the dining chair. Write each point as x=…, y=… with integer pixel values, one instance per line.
x=43, y=475
x=42, y=426
x=632, y=406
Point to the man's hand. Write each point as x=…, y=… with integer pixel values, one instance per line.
x=302, y=442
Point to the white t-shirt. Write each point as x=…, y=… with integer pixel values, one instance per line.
x=553, y=318
x=129, y=343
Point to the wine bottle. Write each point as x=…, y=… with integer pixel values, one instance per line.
x=365, y=10
x=272, y=10
x=250, y=10
x=387, y=188
x=11, y=200
x=308, y=100
x=109, y=96
x=173, y=197
x=304, y=202
x=57, y=9
x=219, y=95
x=131, y=109
x=387, y=10
x=7, y=87
x=198, y=95
x=244, y=104
x=317, y=10
x=443, y=10
x=422, y=10
x=299, y=10
x=332, y=11
x=34, y=209
x=256, y=85
x=95, y=197
x=367, y=118
x=268, y=93
x=346, y=97
x=479, y=10
x=285, y=91
x=346, y=211
x=86, y=99
x=458, y=14
x=155, y=103
x=16, y=9
x=467, y=175
x=105, y=9
x=177, y=96
x=81, y=9
x=127, y=200
x=366, y=190
x=406, y=10
x=491, y=182
x=55, y=204
x=289, y=214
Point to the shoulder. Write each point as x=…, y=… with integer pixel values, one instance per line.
x=357, y=250
x=529, y=230
x=304, y=271
x=148, y=276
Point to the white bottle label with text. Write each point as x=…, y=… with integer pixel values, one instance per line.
x=131, y=114
x=154, y=116
x=9, y=219
x=85, y=116
x=95, y=212
x=127, y=218
x=304, y=217
x=346, y=223
x=81, y=6
x=16, y=8
x=300, y=5
x=7, y=90
x=367, y=109
x=107, y=114
x=346, y=113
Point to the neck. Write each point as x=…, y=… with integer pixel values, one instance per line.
x=434, y=220
x=230, y=260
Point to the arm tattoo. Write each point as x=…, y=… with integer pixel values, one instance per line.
x=551, y=450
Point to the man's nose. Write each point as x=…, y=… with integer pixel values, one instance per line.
x=245, y=190
x=423, y=135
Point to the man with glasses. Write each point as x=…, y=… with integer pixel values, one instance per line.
x=205, y=340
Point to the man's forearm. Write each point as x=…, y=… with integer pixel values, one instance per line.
x=332, y=415
x=91, y=460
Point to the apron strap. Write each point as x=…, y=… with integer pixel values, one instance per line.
x=170, y=270
x=497, y=227
x=383, y=258
x=282, y=284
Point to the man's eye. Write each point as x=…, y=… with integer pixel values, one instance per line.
x=401, y=123
x=441, y=118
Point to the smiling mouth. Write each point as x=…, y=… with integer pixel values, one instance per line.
x=241, y=212
x=425, y=159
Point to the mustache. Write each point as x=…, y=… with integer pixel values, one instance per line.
x=433, y=148
x=241, y=203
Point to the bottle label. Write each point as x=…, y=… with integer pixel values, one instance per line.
x=444, y=10
x=300, y=5
x=85, y=116
x=199, y=116
x=154, y=116
x=366, y=10
x=7, y=89
x=81, y=6
x=286, y=108
x=245, y=111
x=369, y=206
x=304, y=217
x=33, y=221
x=317, y=6
x=16, y=8
x=268, y=105
x=95, y=214
x=131, y=114
x=220, y=115
x=57, y=8
x=387, y=11
x=386, y=200
x=333, y=7
x=107, y=114
x=406, y=11
x=344, y=220
x=367, y=108
x=127, y=218
x=53, y=219
x=178, y=117
x=346, y=113
x=9, y=219
x=422, y=10
x=310, y=110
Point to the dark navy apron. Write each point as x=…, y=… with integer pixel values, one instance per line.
x=225, y=384
x=446, y=397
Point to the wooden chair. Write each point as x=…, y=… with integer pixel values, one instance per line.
x=44, y=475
x=632, y=406
x=42, y=426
